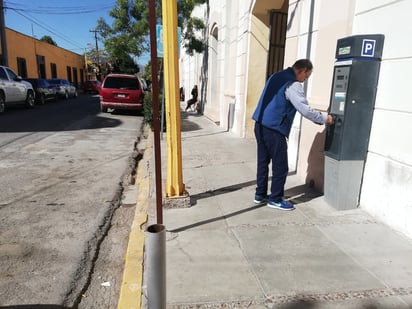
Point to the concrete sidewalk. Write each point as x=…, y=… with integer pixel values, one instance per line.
x=227, y=252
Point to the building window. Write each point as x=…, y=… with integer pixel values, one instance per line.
x=41, y=66
x=53, y=68
x=21, y=67
x=81, y=76
x=69, y=74
x=276, y=56
x=75, y=79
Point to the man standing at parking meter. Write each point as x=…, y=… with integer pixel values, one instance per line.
x=282, y=96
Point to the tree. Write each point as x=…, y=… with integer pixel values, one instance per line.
x=129, y=33
x=124, y=65
x=191, y=26
x=48, y=39
x=147, y=71
x=97, y=62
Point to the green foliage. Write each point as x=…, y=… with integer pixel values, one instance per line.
x=96, y=57
x=147, y=73
x=124, y=65
x=48, y=39
x=185, y=8
x=191, y=26
x=129, y=32
x=190, y=41
x=148, y=109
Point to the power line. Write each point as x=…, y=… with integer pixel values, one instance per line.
x=59, y=10
x=61, y=36
x=63, y=10
x=23, y=10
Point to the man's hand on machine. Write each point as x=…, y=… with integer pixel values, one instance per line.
x=330, y=120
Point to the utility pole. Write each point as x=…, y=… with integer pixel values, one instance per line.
x=97, y=54
x=4, y=54
x=97, y=46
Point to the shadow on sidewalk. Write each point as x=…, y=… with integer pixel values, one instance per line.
x=202, y=135
x=299, y=194
x=307, y=304
x=34, y=307
x=186, y=124
x=224, y=217
x=194, y=198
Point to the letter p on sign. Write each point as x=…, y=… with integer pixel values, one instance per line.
x=368, y=48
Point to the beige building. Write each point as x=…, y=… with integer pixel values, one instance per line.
x=248, y=40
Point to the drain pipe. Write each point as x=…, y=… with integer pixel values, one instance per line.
x=231, y=115
x=156, y=266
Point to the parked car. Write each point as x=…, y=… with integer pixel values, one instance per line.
x=121, y=91
x=43, y=89
x=63, y=88
x=91, y=86
x=14, y=90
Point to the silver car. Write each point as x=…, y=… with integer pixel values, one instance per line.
x=14, y=90
x=63, y=88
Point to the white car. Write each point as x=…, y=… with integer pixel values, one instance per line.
x=14, y=90
x=63, y=88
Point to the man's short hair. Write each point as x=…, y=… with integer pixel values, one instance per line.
x=303, y=64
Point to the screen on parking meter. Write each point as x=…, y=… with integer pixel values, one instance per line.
x=340, y=86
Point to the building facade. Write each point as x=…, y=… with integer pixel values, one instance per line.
x=32, y=58
x=249, y=40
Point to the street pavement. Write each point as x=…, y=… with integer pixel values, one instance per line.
x=226, y=252
x=63, y=168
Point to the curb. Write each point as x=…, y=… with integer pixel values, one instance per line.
x=131, y=287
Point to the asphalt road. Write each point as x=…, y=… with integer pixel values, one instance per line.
x=63, y=169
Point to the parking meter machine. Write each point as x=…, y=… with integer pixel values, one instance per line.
x=355, y=79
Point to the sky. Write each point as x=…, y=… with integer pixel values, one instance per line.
x=67, y=22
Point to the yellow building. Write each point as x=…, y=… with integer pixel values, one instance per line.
x=32, y=58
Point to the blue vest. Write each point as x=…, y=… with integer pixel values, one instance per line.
x=279, y=113
x=273, y=110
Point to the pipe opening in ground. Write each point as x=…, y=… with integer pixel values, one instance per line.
x=156, y=228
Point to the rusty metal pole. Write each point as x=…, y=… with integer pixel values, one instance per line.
x=156, y=113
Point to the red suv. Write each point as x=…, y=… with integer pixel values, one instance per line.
x=121, y=91
x=92, y=86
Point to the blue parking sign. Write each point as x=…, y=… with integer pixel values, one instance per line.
x=159, y=40
x=368, y=48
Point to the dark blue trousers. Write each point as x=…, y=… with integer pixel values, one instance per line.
x=271, y=146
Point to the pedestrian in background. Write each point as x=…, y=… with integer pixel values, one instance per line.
x=193, y=100
x=282, y=96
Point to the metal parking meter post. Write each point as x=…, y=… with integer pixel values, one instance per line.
x=156, y=266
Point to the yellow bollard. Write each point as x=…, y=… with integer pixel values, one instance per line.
x=174, y=182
